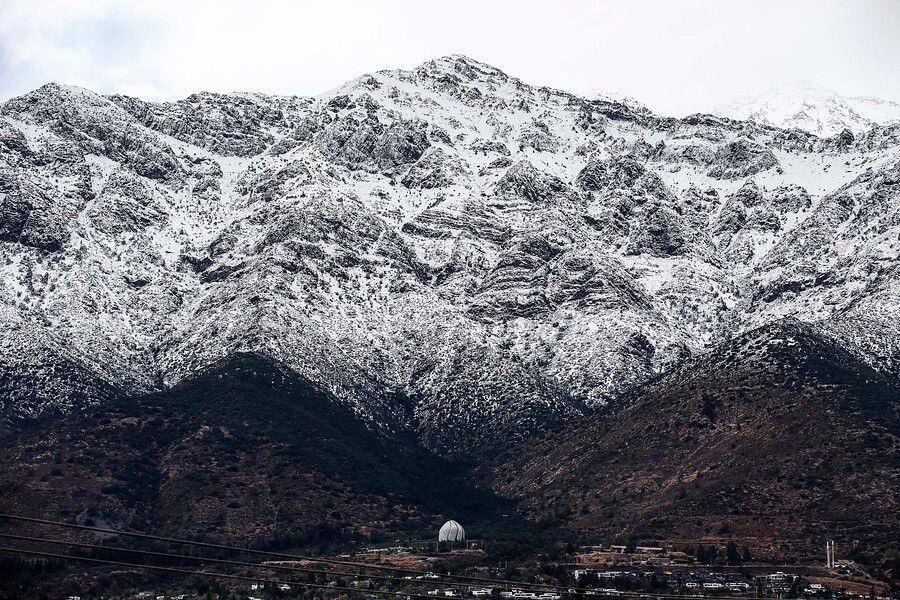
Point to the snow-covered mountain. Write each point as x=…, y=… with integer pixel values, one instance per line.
x=448, y=249
x=813, y=109
x=876, y=110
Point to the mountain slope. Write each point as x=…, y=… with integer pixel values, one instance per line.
x=246, y=451
x=40, y=379
x=779, y=438
x=447, y=250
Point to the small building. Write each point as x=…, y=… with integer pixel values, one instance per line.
x=451, y=531
x=814, y=589
x=451, y=535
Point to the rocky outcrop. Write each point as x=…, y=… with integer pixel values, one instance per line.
x=369, y=144
x=522, y=180
x=435, y=169
x=659, y=232
x=236, y=125
x=741, y=158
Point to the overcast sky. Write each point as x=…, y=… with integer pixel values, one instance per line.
x=677, y=57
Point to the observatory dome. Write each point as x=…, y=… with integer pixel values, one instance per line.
x=451, y=531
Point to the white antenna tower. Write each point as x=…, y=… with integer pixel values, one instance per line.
x=829, y=554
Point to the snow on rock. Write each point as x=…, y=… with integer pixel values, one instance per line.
x=448, y=249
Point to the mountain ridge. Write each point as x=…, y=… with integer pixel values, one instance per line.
x=502, y=256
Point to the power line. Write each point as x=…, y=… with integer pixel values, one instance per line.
x=328, y=561
x=221, y=561
x=237, y=563
x=459, y=579
x=264, y=566
x=119, y=563
x=303, y=584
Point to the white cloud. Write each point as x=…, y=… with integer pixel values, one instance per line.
x=676, y=56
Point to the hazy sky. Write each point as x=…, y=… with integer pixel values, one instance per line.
x=677, y=57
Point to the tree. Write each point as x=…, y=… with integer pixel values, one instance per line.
x=731, y=554
x=708, y=407
x=561, y=574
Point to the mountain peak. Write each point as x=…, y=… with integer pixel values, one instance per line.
x=61, y=92
x=463, y=66
x=460, y=59
x=809, y=107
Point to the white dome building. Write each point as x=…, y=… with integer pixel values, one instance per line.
x=451, y=531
